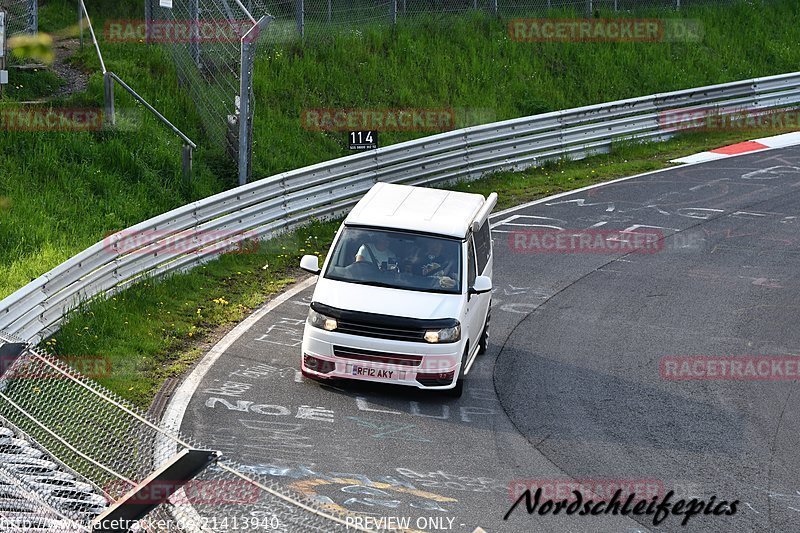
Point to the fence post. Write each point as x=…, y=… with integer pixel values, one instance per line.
x=148, y=20
x=247, y=63
x=494, y=7
x=194, y=44
x=3, y=52
x=187, y=162
x=588, y=8
x=394, y=12
x=330, y=11
x=33, y=16
x=301, y=18
x=80, y=23
x=109, y=118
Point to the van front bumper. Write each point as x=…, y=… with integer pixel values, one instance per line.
x=333, y=355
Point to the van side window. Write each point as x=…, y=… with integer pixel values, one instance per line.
x=483, y=246
x=471, y=264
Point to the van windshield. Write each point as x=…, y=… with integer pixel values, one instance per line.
x=397, y=259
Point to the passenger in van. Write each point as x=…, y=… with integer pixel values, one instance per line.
x=434, y=262
x=377, y=253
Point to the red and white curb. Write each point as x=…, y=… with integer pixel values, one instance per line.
x=777, y=141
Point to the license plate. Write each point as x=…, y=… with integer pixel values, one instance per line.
x=363, y=371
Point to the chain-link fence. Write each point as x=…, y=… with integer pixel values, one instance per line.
x=320, y=18
x=39, y=494
x=92, y=447
x=23, y=16
x=212, y=43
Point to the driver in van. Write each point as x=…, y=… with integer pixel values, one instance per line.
x=378, y=253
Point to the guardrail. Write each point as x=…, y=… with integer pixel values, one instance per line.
x=186, y=237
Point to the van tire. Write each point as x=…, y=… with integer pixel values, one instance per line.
x=483, y=343
x=458, y=390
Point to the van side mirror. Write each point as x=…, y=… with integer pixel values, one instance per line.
x=310, y=263
x=483, y=284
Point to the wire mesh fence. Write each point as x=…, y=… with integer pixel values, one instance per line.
x=23, y=16
x=91, y=448
x=212, y=43
x=316, y=19
x=39, y=494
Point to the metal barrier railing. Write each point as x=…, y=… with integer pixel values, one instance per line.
x=191, y=235
x=108, y=94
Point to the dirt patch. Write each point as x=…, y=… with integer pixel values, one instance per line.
x=75, y=80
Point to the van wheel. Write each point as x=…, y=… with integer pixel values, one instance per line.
x=458, y=390
x=483, y=343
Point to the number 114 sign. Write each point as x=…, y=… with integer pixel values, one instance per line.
x=363, y=140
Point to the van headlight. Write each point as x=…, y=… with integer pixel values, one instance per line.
x=318, y=320
x=435, y=336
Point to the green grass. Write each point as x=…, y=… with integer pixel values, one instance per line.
x=151, y=331
x=61, y=192
x=30, y=84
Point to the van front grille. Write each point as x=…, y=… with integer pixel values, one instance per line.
x=377, y=357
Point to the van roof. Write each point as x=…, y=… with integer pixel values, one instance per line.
x=436, y=211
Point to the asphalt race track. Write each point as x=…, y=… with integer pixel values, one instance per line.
x=573, y=387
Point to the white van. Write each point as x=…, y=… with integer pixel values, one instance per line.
x=404, y=294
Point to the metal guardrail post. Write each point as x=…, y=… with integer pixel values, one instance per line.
x=109, y=117
x=301, y=18
x=394, y=12
x=495, y=7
